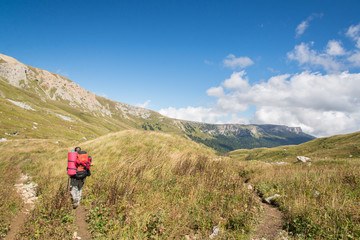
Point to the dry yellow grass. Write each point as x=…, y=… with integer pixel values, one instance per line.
x=321, y=200
x=143, y=185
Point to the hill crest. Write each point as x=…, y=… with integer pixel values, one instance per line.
x=55, y=89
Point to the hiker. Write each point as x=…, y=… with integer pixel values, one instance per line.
x=77, y=178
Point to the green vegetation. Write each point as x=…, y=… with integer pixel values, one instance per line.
x=150, y=185
x=144, y=185
x=150, y=181
x=321, y=200
x=10, y=201
x=89, y=124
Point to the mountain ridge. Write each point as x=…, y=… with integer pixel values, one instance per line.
x=76, y=105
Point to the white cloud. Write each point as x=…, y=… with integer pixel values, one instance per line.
x=355, y=58
x=143, y=105
x=334, y=48
x=198, y=114
x=320, y=123
x=322, y=105
x=237, y=81
x=215, y=92
x=354, y=33
x=300, y=29
x=233, y=62
x=309, y=57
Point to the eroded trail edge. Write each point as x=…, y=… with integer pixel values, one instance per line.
x=26, y=189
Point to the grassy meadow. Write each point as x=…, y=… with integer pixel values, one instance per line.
x=144, y=185
x=320, y=200
x=149, y=185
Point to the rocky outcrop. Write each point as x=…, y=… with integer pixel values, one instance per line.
x=55, y=87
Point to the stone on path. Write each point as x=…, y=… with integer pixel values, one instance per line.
x=268, y=200
x=215, y=232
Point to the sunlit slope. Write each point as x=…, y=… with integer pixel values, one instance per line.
x=39, y=118
x=145, y=185
x=339, y=146
x=321, y=199
x=36, y=103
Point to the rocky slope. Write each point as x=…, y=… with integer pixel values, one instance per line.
x=38, y=103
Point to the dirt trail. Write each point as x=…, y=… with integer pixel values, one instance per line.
x=270, y=226
x=27, y=191
x=80, y=221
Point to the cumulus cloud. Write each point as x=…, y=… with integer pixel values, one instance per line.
x=334, y=58
x=233, y=62
x=143, y=105
x=322, y=105
x=321, y=123
x=215, y=92
x=238, y=80
x=309, y=57
x=199, y=114
x=334, y=48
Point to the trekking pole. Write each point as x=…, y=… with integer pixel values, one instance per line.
x=67, y=188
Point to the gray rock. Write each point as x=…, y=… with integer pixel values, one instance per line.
x=215, y=232
x=268, y=200
x=303, y=159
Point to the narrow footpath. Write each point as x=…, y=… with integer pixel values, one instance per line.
x=26, y=189
x=81, y=224
x=270, y=225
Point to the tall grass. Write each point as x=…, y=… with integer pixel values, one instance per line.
x=321, y=200
x=52, y=217
x=144, y=185
x=10, y=201
x=152, y=185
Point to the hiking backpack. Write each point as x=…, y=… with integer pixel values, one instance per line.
x=83, y=170
x=84, y=164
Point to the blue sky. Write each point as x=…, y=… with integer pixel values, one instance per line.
x=212, y=61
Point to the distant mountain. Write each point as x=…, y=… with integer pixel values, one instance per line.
x=35, y=103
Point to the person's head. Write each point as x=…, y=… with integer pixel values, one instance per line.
x=77, y=149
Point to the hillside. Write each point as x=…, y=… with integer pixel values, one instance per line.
x=144, y=185
x=320, y=199
x=339, y=146
x=148, y=185
x=35, y=103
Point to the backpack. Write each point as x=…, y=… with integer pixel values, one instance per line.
x=83, y=170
